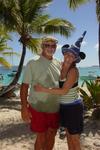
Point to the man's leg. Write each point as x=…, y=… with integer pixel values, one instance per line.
x=38, y=125
x=40, y=141
x=50, y=138
x=46, y=140
x=53, y=125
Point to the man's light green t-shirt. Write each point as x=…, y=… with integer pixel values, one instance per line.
x=46, y=72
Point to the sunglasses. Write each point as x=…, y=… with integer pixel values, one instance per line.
x=49, y=45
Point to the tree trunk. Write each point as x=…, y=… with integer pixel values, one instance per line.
x=19, y=71
x=17, y=75
x=99, y=44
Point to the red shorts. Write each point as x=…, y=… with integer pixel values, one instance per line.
x=41, y=121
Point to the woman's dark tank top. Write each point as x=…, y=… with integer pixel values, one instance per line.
x=61, y=83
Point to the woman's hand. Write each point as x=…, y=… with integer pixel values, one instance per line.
x=38, y=88
x=68, y=61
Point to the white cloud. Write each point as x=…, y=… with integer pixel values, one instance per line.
x=84, y=43
x=96, y=46
x=59, y=46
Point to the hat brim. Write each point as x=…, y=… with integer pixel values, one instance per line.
x=49, y=39
x=78, y=59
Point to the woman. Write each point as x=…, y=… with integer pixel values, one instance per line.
x=71, y=106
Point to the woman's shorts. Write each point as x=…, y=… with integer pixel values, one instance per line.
x=71, y=117
x=41, y=121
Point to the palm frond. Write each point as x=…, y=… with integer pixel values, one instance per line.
x=87, y=99
x=98, y=9
x=10, y=54
x=34, y=45
x=73, y=4
x=94, y=97
x=37, y=23
x=58, y=25
x=48, y=26
x=4, y=62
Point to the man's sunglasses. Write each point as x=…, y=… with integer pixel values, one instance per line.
x=49, y=45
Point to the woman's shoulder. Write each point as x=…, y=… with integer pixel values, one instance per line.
x=73, y=69
x=73, y=72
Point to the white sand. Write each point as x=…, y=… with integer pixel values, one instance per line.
x=16, y=135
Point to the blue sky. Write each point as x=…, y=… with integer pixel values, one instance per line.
x=83, y=18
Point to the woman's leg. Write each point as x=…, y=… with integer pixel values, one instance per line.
x=76, y=141
x=73, y=141
x=69, y=141
x=72, y=120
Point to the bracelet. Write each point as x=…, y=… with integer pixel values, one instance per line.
x=63, y=79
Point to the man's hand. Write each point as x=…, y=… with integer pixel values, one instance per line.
x=26, y=115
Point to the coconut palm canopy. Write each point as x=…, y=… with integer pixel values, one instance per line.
x=76, y=3
x=27, y=18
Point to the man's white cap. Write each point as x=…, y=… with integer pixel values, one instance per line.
x=49, y=39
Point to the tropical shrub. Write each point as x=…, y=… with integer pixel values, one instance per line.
x=91, y=96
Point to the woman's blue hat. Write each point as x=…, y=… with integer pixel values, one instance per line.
x=75, y=49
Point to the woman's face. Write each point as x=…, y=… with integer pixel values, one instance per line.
x=69, y=57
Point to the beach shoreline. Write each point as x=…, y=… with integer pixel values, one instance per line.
x=15, y=134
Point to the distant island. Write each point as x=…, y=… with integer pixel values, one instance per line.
x=95, y=66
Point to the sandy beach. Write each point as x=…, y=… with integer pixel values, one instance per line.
x=16, y=135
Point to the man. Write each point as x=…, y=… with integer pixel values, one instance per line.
x=41, y=109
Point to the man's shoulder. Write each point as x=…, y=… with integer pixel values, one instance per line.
x=56, y=61
x=33, y=61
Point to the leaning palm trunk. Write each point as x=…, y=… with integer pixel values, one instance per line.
x=16, y=78
x=13, y=84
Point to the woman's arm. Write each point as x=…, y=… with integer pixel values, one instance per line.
x=66, y=65
x=71, y=79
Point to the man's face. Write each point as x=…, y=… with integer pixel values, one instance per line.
x=49, y=48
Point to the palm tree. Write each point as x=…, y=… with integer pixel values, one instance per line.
x=4, y=49
x=73, y=4
x=26, y=18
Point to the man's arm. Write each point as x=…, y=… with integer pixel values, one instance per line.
x=24, y=104
x=24, y=94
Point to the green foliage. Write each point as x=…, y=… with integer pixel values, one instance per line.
x=98, y=9
x=27, y=17
x=73, y=4
x=4, y=62
x=96, y=113
x=4, y=49
x=92, y=97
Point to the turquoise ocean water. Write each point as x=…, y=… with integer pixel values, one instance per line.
x=7, y=75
